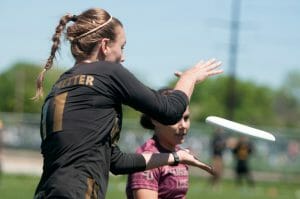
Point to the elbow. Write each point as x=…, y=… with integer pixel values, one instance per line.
x=117, y=171
x=170, y=119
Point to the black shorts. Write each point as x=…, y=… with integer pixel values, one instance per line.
x=70, y=184
x=242, y=168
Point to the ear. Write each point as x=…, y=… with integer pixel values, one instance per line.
x=104, y=46
x=154, y=122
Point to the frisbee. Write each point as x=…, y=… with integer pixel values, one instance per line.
x=239, y=128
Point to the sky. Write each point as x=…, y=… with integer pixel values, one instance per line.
x=166, y=36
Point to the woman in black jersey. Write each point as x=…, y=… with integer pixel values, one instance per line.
x=82, y=116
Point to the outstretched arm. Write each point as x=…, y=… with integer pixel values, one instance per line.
x=123, y=163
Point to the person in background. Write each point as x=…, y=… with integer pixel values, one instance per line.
x=242, y=152
x=81, y=117
x=170, y=181
x=1, y=147
x=217, y=145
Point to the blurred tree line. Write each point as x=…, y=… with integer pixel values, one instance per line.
x=254, y=104
x=18, y=87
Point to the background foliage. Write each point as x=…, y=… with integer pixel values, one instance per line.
x=18, y=87
x=254, y=104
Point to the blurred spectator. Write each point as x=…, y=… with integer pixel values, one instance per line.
x=218, y=145
x=293, y=150
x=1, y=145
x=242, y=152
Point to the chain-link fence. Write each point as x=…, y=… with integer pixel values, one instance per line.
x=21, y=131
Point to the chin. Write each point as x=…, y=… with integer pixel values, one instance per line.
x=180, y=141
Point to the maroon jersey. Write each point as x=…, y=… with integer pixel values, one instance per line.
x=168, y=181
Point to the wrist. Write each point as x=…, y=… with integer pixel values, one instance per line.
x=176, y=159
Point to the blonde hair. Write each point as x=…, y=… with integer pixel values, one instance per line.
x=88, y=28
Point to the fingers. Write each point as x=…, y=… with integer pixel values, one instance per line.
x=204, y=166
x=208, y=68
x=214, y=65
x=215, y=72
x=194, y=161
x=212, y=69
x=204, y=68
x=208, y=168
x=208, y=62
x=201, y=62
x=209, y=65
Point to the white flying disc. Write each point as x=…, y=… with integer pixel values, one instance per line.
x=240, y=128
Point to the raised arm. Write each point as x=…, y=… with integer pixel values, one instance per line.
x=196, y=74
x=165, y=109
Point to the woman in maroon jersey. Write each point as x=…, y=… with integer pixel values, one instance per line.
x=169, y=181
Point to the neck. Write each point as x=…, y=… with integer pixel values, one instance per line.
x=86, y=61
x=93, y=57
x=164, y=144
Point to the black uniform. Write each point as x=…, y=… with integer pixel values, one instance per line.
x=80, y=125
x=218, y=144
x=242, y=154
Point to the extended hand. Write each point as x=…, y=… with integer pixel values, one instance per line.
x=188, y=158
x=202, y=70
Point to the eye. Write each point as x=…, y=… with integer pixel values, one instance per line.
x=186, y=118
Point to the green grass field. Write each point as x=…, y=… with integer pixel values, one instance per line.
x=22, y=187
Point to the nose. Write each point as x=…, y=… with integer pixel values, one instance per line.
x=183, y=124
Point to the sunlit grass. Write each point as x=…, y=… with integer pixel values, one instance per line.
x=23, y=186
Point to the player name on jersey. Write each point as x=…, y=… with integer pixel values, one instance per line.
x=87, y=80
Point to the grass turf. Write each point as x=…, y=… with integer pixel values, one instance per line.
x=22, y=186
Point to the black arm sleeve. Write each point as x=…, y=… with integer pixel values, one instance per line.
x=123, y=163
x=167, y=109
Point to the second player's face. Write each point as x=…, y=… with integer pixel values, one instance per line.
x=171, y=135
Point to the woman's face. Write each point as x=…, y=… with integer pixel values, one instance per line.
x=171, y=135
x=115, y=48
